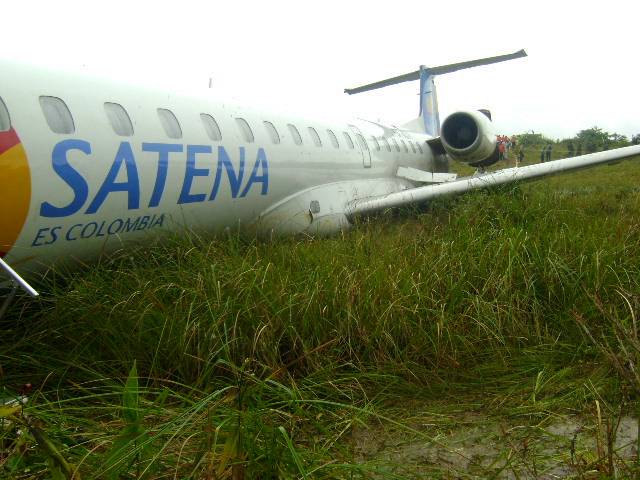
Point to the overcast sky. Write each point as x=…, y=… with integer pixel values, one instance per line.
x=298, y=56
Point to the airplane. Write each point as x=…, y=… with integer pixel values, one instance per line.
x=88, y=165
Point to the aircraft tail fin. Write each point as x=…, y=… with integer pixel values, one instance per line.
x=426, y=75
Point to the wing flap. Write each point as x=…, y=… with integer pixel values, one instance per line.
x=422, y=176
x=500, y=177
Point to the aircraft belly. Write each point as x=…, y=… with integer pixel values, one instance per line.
x=321, y=210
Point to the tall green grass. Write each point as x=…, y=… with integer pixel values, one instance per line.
x=259, y=358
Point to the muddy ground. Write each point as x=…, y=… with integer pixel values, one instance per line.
x=474, y=445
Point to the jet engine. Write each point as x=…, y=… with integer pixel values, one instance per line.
x=469, y=137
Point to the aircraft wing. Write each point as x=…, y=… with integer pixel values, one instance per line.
x=500, y=177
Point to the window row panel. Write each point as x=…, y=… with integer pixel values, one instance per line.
x=119, y=119
x=211, y=127
x=295, y=134
x=60, y=120
x=169, y=123
x=333, y=138
x=57, y=115
x=315, y=137
x=348, y=139
x=245, y=130
x=362, y=142
x=273, y=133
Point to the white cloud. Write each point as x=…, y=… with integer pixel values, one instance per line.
x=580, y=71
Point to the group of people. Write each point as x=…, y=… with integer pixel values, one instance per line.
x=505, y=145
x=545, y=153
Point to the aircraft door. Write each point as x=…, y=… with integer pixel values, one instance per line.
x=362, y=145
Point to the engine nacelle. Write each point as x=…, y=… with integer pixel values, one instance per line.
x=469, y=137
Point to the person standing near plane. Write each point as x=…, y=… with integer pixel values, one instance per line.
x=543, y=154
x=548, y=153
x=501, y=150
x=520, y=155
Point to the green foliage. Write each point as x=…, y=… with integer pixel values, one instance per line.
x=132, y=445
x=586, y=141
x=130, y=410
x=593, y=139
x=232, y=358
x=20, y=431
x=531, y=139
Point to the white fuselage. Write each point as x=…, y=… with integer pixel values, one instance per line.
x=92, y=189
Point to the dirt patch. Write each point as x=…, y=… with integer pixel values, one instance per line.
x=478, y=446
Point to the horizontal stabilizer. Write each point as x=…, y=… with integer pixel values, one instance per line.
x=454, y=67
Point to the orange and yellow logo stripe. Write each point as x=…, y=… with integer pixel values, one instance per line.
x=15, y=189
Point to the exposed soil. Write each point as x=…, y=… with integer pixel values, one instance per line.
x=471, y=445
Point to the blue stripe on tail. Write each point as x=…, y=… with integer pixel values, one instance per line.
x=429, y=103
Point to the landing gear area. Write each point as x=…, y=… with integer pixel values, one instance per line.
x=12, y=286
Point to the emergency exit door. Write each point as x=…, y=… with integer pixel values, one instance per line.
x=363, y=146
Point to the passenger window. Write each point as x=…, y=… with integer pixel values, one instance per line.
x=334, y=139
x=404, y=145
x=57, y=115
x=419, y=147
x=119, y=119
x=5, y=120
x=386, y=143
x=211, y=127
x=375, y=142
x=245, y=129
x=273, y=133
x=348, y=139
x=315, y=137
x=297, y=139
x=363, y=142
x=169, y=123
x=413, y=148
x=395, y=144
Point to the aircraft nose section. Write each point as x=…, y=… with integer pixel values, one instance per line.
x=15, y=189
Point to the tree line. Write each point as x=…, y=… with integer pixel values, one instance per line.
x=589, y=140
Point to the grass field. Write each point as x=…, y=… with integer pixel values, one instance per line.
x=491, y=335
